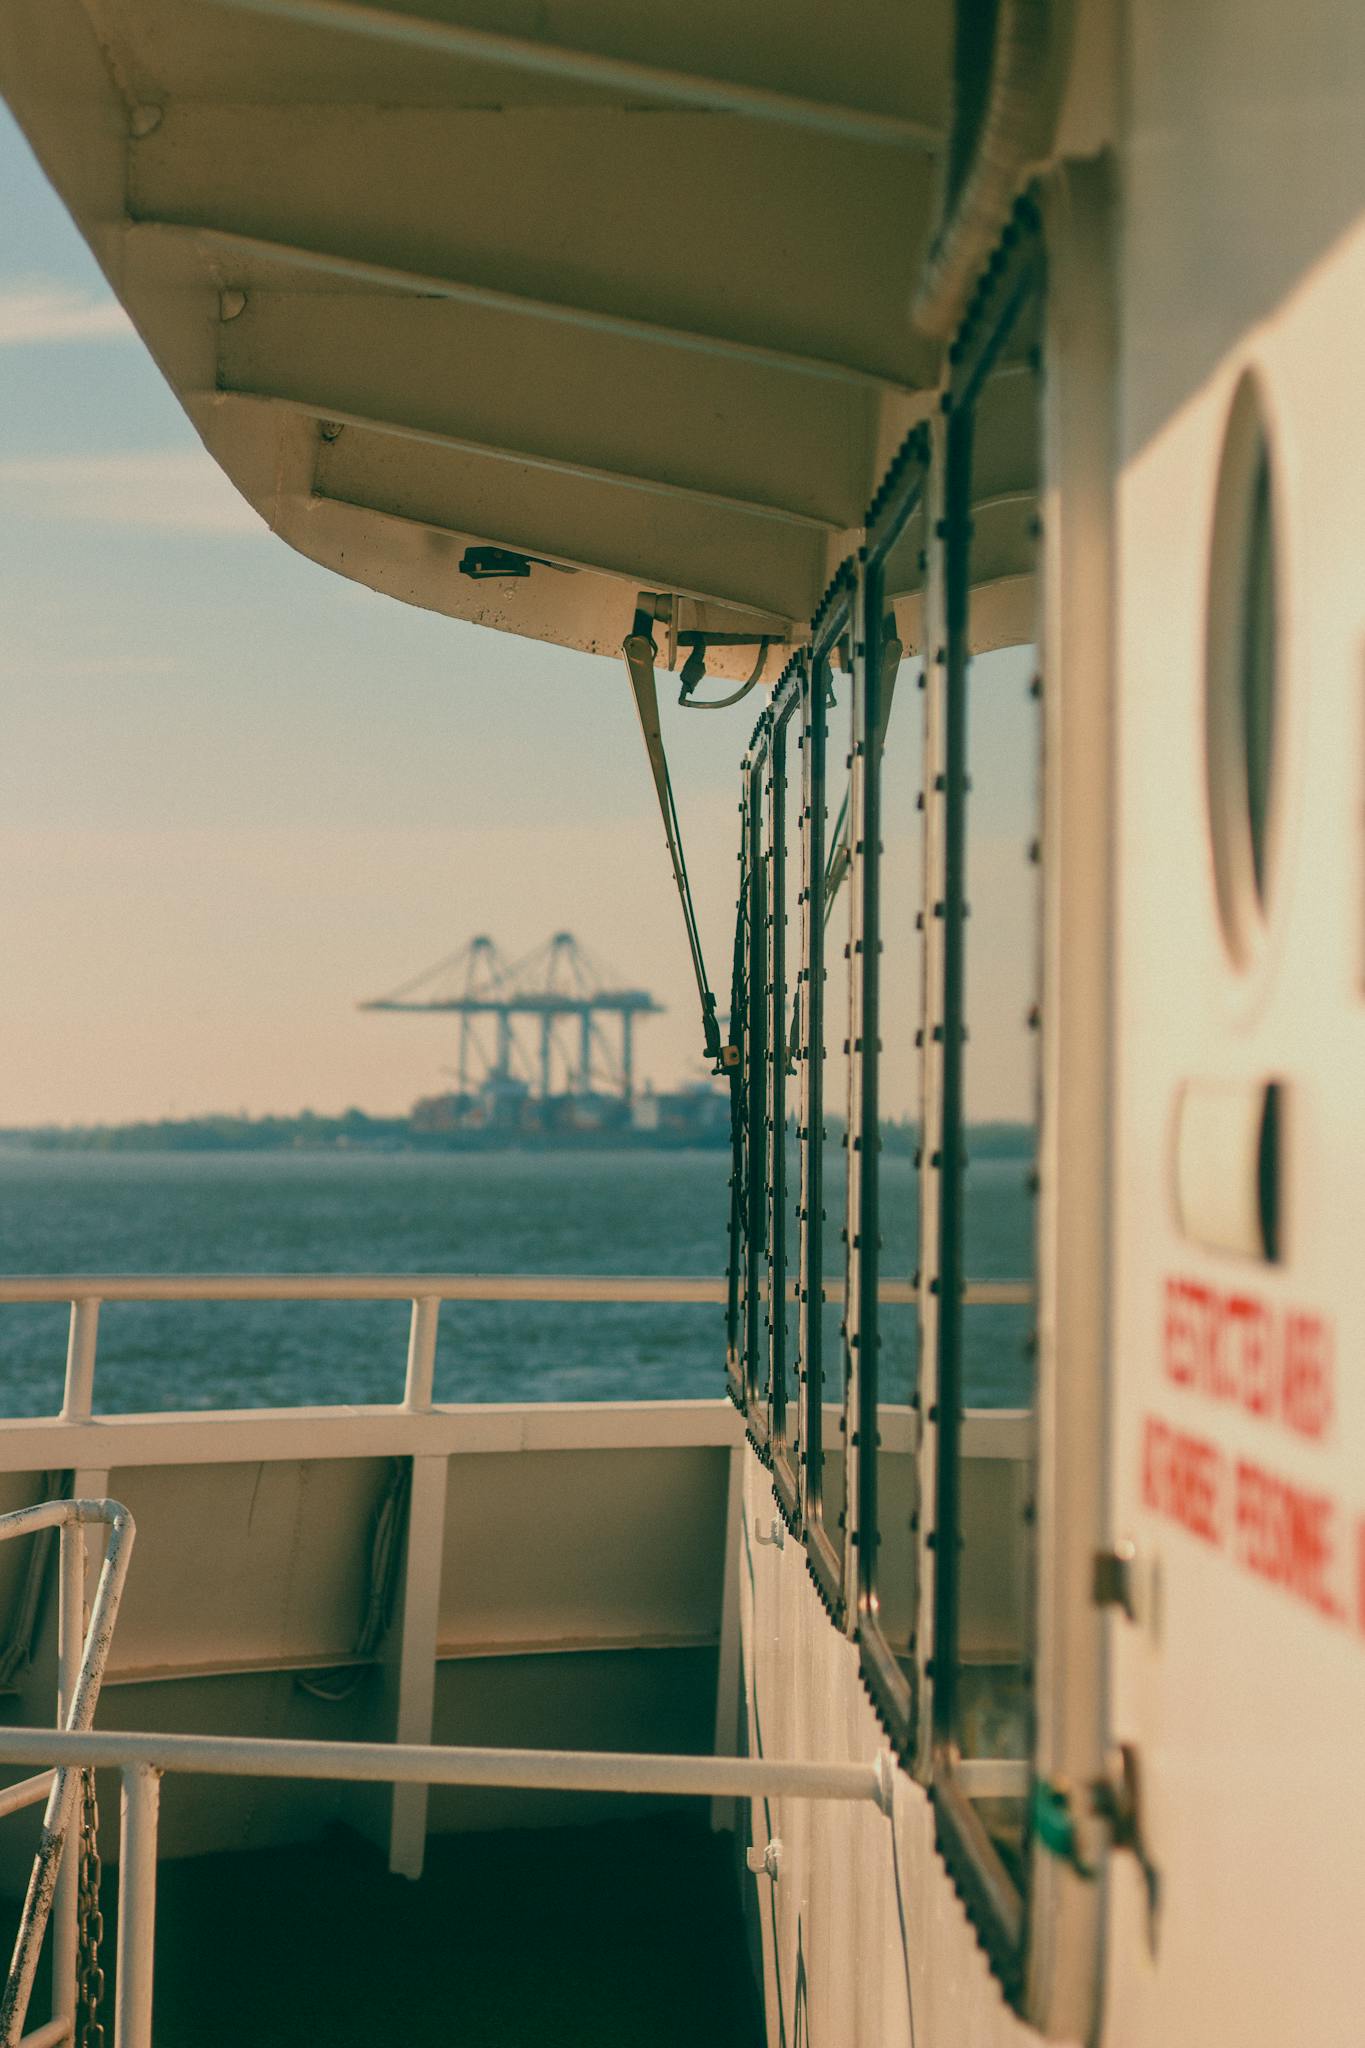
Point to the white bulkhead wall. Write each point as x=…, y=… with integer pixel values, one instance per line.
x=1242, y=1683
x=864, y=1942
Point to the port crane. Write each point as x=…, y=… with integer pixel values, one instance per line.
x=558, y=989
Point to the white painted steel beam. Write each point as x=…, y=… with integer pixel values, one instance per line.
x=730, y=1649
x=421, y=1372
x=702, y=501
x=419, y=1621
x=140, y=1805
x=291, y=259
x=1008, y=1434
x=605, y=73
x=714, y=476
x=379, y=1763
x=80, y=1357
x=469, y=1650
x=269, y=1435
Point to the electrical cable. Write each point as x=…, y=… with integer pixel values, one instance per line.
x=691, y=703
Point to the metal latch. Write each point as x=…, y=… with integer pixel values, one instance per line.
x=1114, y=1577
x=1115, y=1801
x=765, y=1862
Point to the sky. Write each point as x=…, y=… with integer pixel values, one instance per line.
x=239, y=794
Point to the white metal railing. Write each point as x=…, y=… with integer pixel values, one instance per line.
x=141, y=1759
x=82, y=1654
x=86, y=1292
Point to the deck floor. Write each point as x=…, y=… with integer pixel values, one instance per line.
x=584, y=1937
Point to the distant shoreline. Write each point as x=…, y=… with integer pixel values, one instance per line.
x=355, y=1131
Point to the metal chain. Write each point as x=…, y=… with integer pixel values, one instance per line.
x=89, y=1973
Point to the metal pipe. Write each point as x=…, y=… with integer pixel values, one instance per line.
x=561, y=1287
x=383, y=1763
x=80, y=1357
x=70, y=1642
x=586, y=1287
x=27, y=1792
x=47, y=2037
x=137, y=1906
x=421, y=1372
x=80, y=1713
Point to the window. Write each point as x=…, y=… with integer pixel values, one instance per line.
x=749, y=1005
x=828, y=1080
x=982, y=783
x=888, y=748
x=786, y=917
x=1240, y=672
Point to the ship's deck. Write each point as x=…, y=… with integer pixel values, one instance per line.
x=624, y=1932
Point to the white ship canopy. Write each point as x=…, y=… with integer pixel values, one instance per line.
x=517, y=310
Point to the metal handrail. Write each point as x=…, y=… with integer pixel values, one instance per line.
x=79, y=1691
x=410, y=1763
x=530, y=1287
x=143, y=1758
x=86, y=1292
x=564, y=1287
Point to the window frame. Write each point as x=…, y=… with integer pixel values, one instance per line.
x=902, y=495
x=827, y=1552
x=748, y=1198
x=999, y=1911
x=1245, y=563
x=789, y=716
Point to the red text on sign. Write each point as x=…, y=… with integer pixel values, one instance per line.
x=1289, y=1535
x=1237, y=1348
x=1182, y=1478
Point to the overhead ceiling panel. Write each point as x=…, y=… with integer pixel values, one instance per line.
x=622, y=287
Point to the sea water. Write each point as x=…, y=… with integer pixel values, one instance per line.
x=638, y=1212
